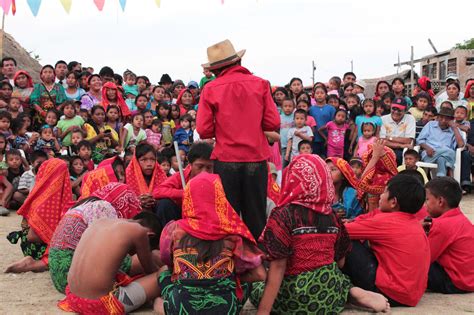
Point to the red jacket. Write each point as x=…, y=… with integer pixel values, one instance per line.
x=402, y=250
x=236, y=108
x=172, y=187
x=451, y=240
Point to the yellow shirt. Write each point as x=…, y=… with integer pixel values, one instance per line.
x=104, y=143
x=419, y=169
x=415, y=112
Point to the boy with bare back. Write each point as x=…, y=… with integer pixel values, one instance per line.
x=96, y=283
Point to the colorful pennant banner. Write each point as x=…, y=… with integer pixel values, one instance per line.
x=34, y=6
x=66, y=5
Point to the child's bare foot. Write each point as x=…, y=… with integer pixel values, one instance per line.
x=158, y=307
x=26, y=264
x=368, y=299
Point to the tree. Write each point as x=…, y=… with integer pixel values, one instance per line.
x=467, y=44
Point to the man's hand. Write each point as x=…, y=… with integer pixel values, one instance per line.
x=429, y=151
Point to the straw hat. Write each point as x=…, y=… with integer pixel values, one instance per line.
x=222, y=54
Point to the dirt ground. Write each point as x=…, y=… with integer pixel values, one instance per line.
x=31, y=293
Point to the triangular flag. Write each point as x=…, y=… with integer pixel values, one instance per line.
x=222, y=1
x=13, y=7
x=66, y=5
x=99, y=4
x=158, y=3
x=6, y=4
x=122, y=4
x=34, y=6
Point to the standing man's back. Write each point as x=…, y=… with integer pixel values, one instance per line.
x=236, y=108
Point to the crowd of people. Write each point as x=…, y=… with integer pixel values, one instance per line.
x=297, y=201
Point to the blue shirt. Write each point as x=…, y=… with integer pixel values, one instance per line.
x=436, y=137
x=286, y=122
x=322, y=115
x=376, y=120
x=349, y=203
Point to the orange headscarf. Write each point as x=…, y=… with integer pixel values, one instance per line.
x=375, y=180
x=120, y=101
x=346, y=170
x=49, y=199
x=98, y=178
x=136, y=181
x=207, y=214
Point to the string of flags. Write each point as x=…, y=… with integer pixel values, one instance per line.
x=34, y=5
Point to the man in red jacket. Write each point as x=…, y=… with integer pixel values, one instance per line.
x=236, y=109
x=170, y=192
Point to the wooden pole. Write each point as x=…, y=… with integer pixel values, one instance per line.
x=2, y=35
x=412, y=74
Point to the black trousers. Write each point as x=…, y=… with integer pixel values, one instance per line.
x=245, y=186
x=399, y=155
x=439, y=281
x=167, y=210
x=361, y=266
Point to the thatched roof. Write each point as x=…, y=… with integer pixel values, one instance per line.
x=11, y=48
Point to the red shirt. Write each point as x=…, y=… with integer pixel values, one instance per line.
x=451, y=240
x=402, y=250
x=172, y=187
x=236, y=108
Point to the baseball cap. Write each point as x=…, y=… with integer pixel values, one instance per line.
x=451, y=76
x=400, y=103
x=360, y=83
x=193, y=84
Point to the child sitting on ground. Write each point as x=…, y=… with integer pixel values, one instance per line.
x=184, y=134
x=132, y=133
x=85, y=153
x=297, y=134
x=76, y=137
x=411, y=157
x=397, y=262
x=304, y=147
x=77, y=170
x=48, y=142
x=98, y=285
x=153, y=134
x=451, y=239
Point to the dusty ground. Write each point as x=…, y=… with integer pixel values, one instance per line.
x=31, y=293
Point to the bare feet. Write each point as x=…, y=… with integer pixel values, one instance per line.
x=27, y=264
x=375, y=301
x=158, y=307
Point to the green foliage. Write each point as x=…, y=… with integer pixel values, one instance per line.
x=467, y=44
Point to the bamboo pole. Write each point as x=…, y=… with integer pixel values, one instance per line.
x=2, y=35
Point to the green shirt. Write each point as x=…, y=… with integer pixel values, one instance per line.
x=64, y=124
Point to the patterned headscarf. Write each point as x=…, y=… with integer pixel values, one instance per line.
x=123, y=199
x=346, y=170
x=307, y=182
x=207, y=214
x=28, y=76
x=136, y=181
x=375, y=180
x=98, y=178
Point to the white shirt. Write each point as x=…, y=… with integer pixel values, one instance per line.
x=405, y=128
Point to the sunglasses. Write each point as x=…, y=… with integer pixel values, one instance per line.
x=396, y=109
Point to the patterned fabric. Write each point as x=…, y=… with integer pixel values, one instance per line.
x=307, y=239
x=95, y=180
x=122, y=198
x=375, y=180
x=60, y=261
x=323, y=291
x=136, y=181
x=47, y=99
x=120, y=102
x=106, y=305
x=306, y=182
x=273, y=190
x=346, y=170
x=207, y=214
x=49, y=199
x=206, y=296
x=35, y=250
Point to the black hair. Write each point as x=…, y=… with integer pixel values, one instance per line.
x=71, y=169
x=199, y=150
x=36, y=155
x=301, y=111
x=145, y=78
x=13, y=152
x=340, y=110
x=414, y=174
x=75, y=73
x=9, y=59
x=368, y=123
x=186, y=117
x=281, y=89
x=398, y=79
x=156, y=122
x=89, y=79
x=348, y=84
x=413, y=153
x=176, y=108
x=141, y=95
x=118, y=79
x=60, y=62
x=150, y=220
x=71, y=65
x=303, y=93
x=337, y=80
x=5, y=114
x=169, y=152
x=447, y=188
x=160, y=158
x=382, y=82
x=288, y=99
x=349, y=73
x=462, y=107
x=333, y=97
x=408, y=191
x=3, y=83
x=432, y=109
x=142, y=149
x=320, y=86
x=369, y=100
x=303, y=142
x=16, y=125
x=296, y=79
x=46, y=67
x=352, y=95
x=91, y=121
x=424, y=95
x=84, y=143
x=205, y=249
x=69, y=103
x=454, y=83
x=388, y=95
x=106, y=71
x=356, y=161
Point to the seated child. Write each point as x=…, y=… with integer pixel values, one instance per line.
x=14, y=107
x=184, y=134
x=19, y=138
x=357, y=166
x=27, y=179
x=428, y=115
x=153, y=134
x=460, y=115
x=451, y=239
x=210, y=254
x=297, y=134
x=304, y=147
x=108, y=171
x=76, y=137
x=411, y=157
x=423, y=101
x=397, y=262
x=47, y=141
x=77, y=170
x=132, y=133
x=15, y=167
x=85, y=153
x=305, y=243
x=165, y=164
x=99, y=285
x=368, y=137
x=346, y=205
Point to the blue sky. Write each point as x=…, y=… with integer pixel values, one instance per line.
x=282, y=37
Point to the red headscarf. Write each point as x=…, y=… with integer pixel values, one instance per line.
x=28, y=76
x=423, y=83
x=346, y=170
x=98, y=178
x=207, y=214
x=122, y=198
x=468, y=87
x=136, y=181
x=49, y=200
x=183, y=110
x=120, y=101
x=307, y=182
x=273, y=190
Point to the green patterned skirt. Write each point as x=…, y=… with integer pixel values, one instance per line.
x=35, y=250
x=322, y=291
x=206, y=296
x=60, y=260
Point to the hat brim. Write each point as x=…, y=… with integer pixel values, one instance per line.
x=224, y=62
x=401, y=107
